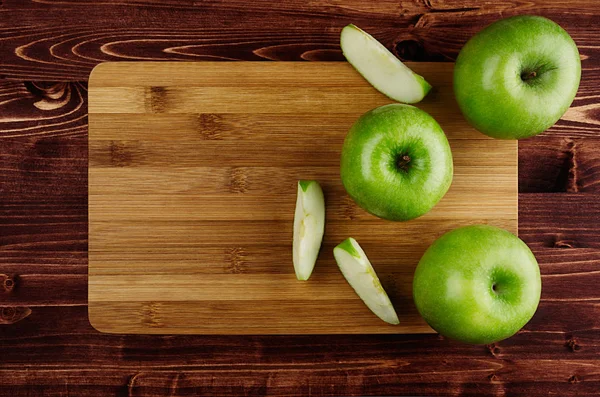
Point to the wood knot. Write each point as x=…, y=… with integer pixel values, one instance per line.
x=573, y=183
x=563, y=243
x=8, y=283
x=323, y=54
x=493, y=378
x=8, y=312
x=235, y=260
x=574, y=379
x=567, y=179
x=410, y=50
x=131, y=383
x=210, y=126
x=572, y=344
x=120, y=155
x=237, y=181
x=493, y=349
x=50, y=96
x=11, y=315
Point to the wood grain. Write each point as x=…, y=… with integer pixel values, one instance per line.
x=65, y=39
x=262, y=380
x=148, y=229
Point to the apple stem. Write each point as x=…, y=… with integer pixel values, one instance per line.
x=403, y=162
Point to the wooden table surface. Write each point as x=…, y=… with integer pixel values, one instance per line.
x=47, y=346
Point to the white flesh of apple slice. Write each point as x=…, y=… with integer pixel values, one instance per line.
x=359, y=273
x=381, y=68
x=309, y=225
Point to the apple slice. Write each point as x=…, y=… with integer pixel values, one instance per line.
x=309, y=225
x=381, y=68
x=359, y=273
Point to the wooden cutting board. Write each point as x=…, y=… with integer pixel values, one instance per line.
x=192, y=187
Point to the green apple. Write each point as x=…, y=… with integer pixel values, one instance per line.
x=477, y=284
x=396, y=162
x=309, y=226
x=381, y=68
x=361, y=276
x=517, y=77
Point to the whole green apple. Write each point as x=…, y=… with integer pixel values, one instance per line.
x=477, y=284
x=396, y=162
x=517, y=77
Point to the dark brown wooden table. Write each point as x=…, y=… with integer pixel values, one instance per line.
x=47, y=346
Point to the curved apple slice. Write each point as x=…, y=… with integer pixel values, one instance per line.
x=309, y=225
x=359, y=273
x=381, y=68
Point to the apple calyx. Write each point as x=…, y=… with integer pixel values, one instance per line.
x=403, y=162
x=528, y=75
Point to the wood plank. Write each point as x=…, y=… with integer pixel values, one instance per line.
x=182, y=234
x=59, y=337
x=199, y=127
x=224, y=288
x=163, y=208
x=247, y=259
x=251, y=181
x=247, y=317
x=65, y=42
x=151, y=208
x=264, y=153
x=373, y=377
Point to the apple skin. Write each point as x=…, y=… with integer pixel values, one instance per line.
x=477, y=284
x=361, y=276
x=371, y=163
x=381, y=68
x=493, y=77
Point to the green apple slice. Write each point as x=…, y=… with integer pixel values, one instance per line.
x=309, y=225
x=359, y=273
x=381, y=68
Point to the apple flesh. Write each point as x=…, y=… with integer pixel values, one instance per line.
x=309, y=226
x=396, y=162
x=381, y=68
x=361, y=276
x=477, y=284
x=517, y=77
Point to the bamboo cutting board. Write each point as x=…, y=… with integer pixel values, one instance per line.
x=192, y=186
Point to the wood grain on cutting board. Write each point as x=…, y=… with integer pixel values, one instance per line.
x=192, y=184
